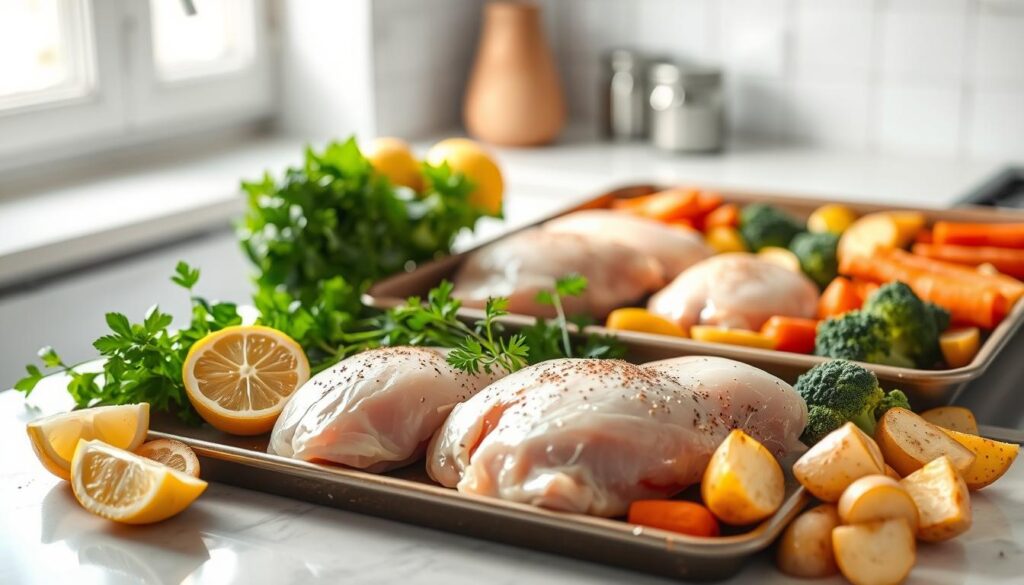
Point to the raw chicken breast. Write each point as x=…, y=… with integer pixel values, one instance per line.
x=735, y=290
x=675, y=248
x=521, y=265
x=373, y=411
x=592, y=436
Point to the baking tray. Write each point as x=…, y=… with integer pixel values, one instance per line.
x=408, y=495
x=925, y=388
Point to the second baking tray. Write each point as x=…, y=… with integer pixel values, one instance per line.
x=925, y=388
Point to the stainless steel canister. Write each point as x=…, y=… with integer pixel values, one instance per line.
x=686, y=108
x=624, y=94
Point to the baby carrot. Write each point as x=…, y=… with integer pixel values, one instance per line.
x=678, y=516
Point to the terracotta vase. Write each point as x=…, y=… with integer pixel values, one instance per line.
x=514, y=96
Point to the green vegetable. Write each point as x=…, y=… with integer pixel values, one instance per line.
x=143, y=361
x=817, y=255
x=840, y=391
x=763, y=225
x=549, y=341
x=334, y=216
x=858, y=336
x=940, y=315
x=911, y=324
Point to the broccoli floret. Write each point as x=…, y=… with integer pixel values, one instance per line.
x=817, y=254
x=911, y=324
x=858, y=336
x=940, y=315
x=762, y=225
x=839, y=391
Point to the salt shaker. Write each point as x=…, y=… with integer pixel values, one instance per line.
x=624, y=95
x=686, y=108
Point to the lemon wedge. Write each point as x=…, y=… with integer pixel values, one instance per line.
x=125, y=487
x=54, y=438
x=173, y=454
x=239, y=378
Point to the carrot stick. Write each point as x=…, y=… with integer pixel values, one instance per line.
x=970, y=301
x=838, y=297
x=791, y=333
x=924, y=237
x=727, y=215
x=864, y=288
x=1010, y=287
x=668, y=205
x=1006, y=260
x=1003, y=235
x=675, y=515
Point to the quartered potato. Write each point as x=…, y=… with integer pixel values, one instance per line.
x=991, y=458
x=942, y=500
x=743, y=483
x=877, y=497
x=908, y=442
x=885, y=229
x=954, y=418
x=843, y=456
x=875, y=553
x=805, y=549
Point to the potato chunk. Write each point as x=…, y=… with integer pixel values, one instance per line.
x=991, y=458
x=843, y=456
x=876, y=553
x=805, y=549
x=954, y=418
x=743, y=483
x=942, y=500
x=877, y=497
x=908, y=442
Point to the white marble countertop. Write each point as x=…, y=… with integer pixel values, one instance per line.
x=235, y=535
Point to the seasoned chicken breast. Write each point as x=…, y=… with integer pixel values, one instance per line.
x=735, y=290
x=375, y=410
x=675, y=248
x=593, y=436
x=520, y=266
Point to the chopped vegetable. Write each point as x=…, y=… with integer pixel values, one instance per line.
x=840, y=296
x=908, y=442
x=725, y=239
x=817, y=255
x=1008, y=286
x=763, y=225
x=743, y=483
x=952, y=418
x=727, y=215
x=959, y=346
x=678, y=516
x=877, y=497
x=912, y=325
x=875, y=553
x=667, y=206
x=839, y=391
x=791, y=333
x=1006, y=260
x=836, y=461
x=744, y=337
x=1002, y=235
x=992, y=459
x=832, y=218
x=942, y=500
x=864, y=289
x=858, y=336
x=780, y=257
x=805, y=549
x=642, y=320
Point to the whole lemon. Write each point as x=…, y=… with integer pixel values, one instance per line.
x=393, y=158
x=469, y=158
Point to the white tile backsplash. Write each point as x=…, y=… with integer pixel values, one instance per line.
x=996, y=124
x=832, y=39
x=830, y=114
x=922, y=120
x=999, y=56
x=923, y=43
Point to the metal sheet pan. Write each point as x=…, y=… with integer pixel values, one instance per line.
x=408, y=495
x=925, y=388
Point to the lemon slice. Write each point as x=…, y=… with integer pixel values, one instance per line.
x=239, y=378
x=125, y=487
x=54, y=438
x=173, y=454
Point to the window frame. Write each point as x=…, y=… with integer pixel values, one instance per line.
x=128, y=103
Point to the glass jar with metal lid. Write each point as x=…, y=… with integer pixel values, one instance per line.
x=687, y=111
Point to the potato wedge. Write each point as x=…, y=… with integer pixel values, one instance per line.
x=843, y=456
x=991, y=458
x=960, y=345
x=942, y=500
x=876, y=553
x=877, y=497
x=886, y=229
x=805, y=549
x=908, y=442
x=743, y=483
x=954, y=418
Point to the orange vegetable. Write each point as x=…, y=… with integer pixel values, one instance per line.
x=838, y=297
x=678, y=516
x=791, y=333
x=973, y=301
x=1006, y=260
x=744, y=337
x=1010, y=287
x=1003, y=235
x=864, y=288
x=667, y=206
x=727, y=215
x=959, y=346
x=924, y=237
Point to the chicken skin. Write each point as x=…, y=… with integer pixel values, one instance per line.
x=675, y=248
x=375, y=410
x=592, y=436
x=520, y=266
x=735, y=290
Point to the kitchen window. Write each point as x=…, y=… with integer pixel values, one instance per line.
x=84, y=75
